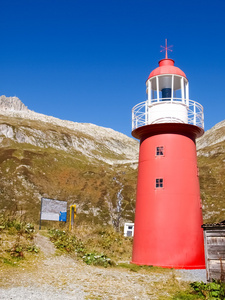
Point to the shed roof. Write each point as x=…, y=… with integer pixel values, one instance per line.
x=214, y=225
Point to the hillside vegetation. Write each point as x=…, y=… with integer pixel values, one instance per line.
x=87, y=165
x=211, y=164
x=28, y=173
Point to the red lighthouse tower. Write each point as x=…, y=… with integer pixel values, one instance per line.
x=168, y=215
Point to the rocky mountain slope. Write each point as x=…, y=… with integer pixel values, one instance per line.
x=95, y=142
x=87, y=165
x=211, y=137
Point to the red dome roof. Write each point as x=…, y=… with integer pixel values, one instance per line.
x=166, y=66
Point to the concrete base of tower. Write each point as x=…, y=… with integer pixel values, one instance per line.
x=198, y=267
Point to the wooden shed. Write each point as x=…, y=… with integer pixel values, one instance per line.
x=214, y=240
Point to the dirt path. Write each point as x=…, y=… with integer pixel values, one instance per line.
x=61, y=277
x=44, y=244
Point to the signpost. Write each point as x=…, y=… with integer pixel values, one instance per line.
x=72, y=215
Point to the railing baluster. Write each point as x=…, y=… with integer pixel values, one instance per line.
x=194, y=114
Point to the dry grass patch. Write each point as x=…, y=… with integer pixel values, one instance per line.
x=105, y=239
x=16, y=241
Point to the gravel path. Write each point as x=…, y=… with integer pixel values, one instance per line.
x=61, y=277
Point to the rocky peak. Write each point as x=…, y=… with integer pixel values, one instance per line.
x=11, y=104
x=212, y=136
x=93, y=141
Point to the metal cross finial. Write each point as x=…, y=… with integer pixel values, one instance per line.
x=166, y=49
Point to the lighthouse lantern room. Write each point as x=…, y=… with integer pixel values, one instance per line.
x=168, y=214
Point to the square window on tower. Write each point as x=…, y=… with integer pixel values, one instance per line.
x=159, y=183
x=160, y=151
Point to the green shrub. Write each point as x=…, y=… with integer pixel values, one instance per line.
x=211, y=291
x=19, y=234
x=16, y=226
x=65, y=241
x=32, y=248
x=97, y=260
x=17, y=251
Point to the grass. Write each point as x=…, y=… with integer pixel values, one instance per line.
x=212, y=178
x=96, y=247
x=105, y=239
x=138, y=268
x=16, y=240
x=198, y=290
x=29, y=172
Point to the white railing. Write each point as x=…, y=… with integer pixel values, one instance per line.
x=140, y=112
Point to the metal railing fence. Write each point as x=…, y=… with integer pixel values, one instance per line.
x=140, y=112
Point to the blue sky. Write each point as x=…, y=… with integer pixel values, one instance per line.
x=88, y=60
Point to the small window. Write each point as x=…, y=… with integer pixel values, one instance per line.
x=159, y=183
x=159, y=151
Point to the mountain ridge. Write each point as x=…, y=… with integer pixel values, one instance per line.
x=108, y=137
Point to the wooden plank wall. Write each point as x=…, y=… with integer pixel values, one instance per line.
x=215, y=253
